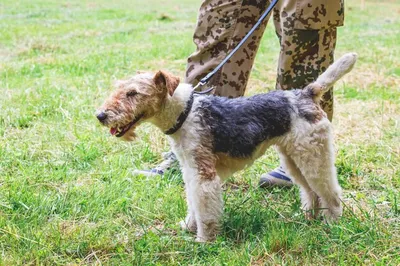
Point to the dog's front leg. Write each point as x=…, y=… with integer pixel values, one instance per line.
x=189, y=223
x=207, y=203
x=203, y=193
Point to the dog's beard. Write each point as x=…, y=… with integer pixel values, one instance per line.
x=126, y=132
x=130, y=135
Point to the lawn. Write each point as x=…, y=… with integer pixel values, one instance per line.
x=67, y=193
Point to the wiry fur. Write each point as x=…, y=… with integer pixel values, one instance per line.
x=221, y=136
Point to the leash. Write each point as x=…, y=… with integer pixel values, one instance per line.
x=207, y=78
x=182, y=117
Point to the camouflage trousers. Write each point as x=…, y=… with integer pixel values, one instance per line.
x=307, y=37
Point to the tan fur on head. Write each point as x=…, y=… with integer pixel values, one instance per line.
x=139, y=97
x=166, y=80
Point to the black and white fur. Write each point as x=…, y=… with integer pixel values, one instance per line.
x=240, y=130
x=221, y=136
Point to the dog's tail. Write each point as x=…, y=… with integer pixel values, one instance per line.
x=334, y=72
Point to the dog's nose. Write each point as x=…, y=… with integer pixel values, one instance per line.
x=102, y=116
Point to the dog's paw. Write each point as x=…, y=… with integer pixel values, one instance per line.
x=332, y=216
x=187, y=226
x=202, y=240
x=312, y=214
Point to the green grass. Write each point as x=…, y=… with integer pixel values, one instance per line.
x=67, y=195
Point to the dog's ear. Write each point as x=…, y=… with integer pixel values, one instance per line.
x=166, y=80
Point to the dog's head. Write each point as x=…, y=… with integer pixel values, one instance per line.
x=135, y=100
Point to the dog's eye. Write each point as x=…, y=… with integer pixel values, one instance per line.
x=131, y=93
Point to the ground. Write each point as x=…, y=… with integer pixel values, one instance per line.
x=67, y=195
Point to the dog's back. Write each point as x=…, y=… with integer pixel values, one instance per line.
x=239, y=125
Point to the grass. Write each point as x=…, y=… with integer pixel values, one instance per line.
x=67, y=195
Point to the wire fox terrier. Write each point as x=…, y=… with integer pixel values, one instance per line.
x=213, y=137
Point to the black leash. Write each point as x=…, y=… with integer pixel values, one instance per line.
x=204, y=80
x=182, y=117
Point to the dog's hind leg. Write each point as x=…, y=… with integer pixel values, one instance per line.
x=314, y=156
x=309, y=199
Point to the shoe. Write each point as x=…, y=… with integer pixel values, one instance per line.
x=169, y=161
x=276, y=177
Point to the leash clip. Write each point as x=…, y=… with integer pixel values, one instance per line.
x=200, y=84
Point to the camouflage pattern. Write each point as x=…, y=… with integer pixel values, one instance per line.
x=306, y=31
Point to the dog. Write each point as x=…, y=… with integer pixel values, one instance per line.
x=213, y=137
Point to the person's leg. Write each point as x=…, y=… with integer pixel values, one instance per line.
x=169, y=160
x=308, y=39
x=220, y=27
x=304, y=55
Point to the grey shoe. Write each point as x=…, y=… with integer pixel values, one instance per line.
x=168, y=162
x=276, y=177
